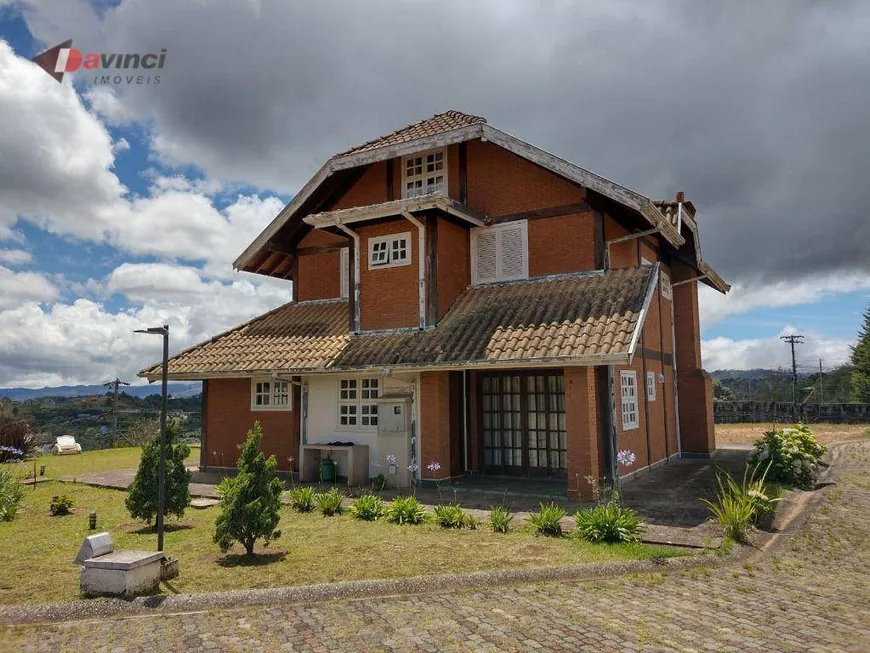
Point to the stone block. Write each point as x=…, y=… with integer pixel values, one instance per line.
x=95, y=546
x=121, y=573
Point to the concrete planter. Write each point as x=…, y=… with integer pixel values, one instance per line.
x=169, y=569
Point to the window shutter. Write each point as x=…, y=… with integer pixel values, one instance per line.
x=484, y=248
x=345, y=272
x=512, y=262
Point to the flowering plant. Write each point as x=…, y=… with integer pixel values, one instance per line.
x=391, y=459
x=626, y=458
x=434, y=466
x=793, y=455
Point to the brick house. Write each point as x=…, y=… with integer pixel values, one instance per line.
x=464, y=297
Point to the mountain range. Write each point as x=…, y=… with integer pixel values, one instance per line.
x=175, y=389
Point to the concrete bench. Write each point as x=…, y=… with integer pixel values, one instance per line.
x=121, y=573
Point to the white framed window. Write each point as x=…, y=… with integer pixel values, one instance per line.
x=628, y=395
x=500, y=252
x=665, y=282
x=356, y=405
x=271, y=394
x=390, y=251
x=651, y=386
x=344, y=272
x=424, y=173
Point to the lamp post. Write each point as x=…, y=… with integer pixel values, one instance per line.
x=161, y=468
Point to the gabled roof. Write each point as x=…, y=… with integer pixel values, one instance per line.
x=576, y=319
x=446, y=129
x=437, y=124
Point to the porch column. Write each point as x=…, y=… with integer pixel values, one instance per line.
x=581, y=421
x=434, y=423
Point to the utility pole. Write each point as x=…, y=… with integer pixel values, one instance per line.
x=114, y=384
x=792, y=340
x=821, y=383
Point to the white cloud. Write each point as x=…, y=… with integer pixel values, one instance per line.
x=18, y=287
x=744, y=297
x=771, y=353
x=15, y=256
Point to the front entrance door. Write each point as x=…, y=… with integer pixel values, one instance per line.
x=523, y=424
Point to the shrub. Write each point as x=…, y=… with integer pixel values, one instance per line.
x=17, y=441
x=11, y=496
x=500, y=519
x=379, y=483
x=793, y=455
x=547, y=521
x=302, y=499
x=60, y=505
x=451, y=516
x=406, y=510
x=608, y=522
x=329, y=503
x=739, y=505
x=141, y=499
x=368, y=507
x=251, y=501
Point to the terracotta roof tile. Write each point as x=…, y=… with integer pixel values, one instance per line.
x=437, y=124
x=573, y=317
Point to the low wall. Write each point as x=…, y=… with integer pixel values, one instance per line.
x=725, y=412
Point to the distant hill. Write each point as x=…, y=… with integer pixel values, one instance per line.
x=718, y=375
x=175, y=389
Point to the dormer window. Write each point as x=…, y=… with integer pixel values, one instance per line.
x=390, y=251
x=424, y=173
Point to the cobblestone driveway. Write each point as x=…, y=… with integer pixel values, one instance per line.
x=813, y=593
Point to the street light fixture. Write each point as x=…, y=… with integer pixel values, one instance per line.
x=161, y=469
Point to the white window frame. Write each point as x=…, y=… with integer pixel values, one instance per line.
x=651, y=386
x=628, y=400
x=272, y=394
x=355, y=403
x=391, y=260
x=424, y=176
x=665, y=283
x=498, y=229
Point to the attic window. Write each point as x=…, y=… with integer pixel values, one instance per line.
x=270, y=394
x=390, y=251
x=500, y=253
x=424, y=173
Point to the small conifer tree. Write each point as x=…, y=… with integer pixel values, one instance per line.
x=861, y=363
x=251, y=501
x=142, y=495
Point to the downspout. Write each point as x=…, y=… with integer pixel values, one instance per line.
x=676, y=391
x=465, y=420
x=356, y=271
x=421, y=259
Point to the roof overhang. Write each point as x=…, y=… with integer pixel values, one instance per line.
x=393, y=208
x=643, y=206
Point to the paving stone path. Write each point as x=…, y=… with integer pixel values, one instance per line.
x=812, y=593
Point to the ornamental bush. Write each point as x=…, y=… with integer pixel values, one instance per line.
x=302, y=498
x=793, y=456
x=741, y=505
x=368, y=507
x=11, y=496
x=500, y=519
x=17, y=440
x=451, y=516
x=141, y=499
x=250, y=501
x=60, y=505
x=548, y=519
x=406, y=510
x=608, y=522
x=329, y=503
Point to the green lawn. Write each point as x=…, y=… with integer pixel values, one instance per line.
x=90, y=461
x=37, y=550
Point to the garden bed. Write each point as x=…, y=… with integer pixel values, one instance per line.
x=37, y=549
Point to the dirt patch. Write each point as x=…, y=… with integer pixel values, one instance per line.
x=825, y=433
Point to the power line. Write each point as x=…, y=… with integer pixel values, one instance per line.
x=792, y=340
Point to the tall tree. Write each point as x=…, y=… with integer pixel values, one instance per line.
x=861, y=362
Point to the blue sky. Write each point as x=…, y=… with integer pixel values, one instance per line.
x=163, y=185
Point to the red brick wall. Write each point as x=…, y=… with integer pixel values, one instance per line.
x=635, y=439
x=501, y=183
x=434, y=423
x=454, y=273
x=370, y=189
x=320, y=238
x=389, y=297
x=319, y=276
x=622, y=255
x=229, y=417
x=583, y=430
x=562, y=244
